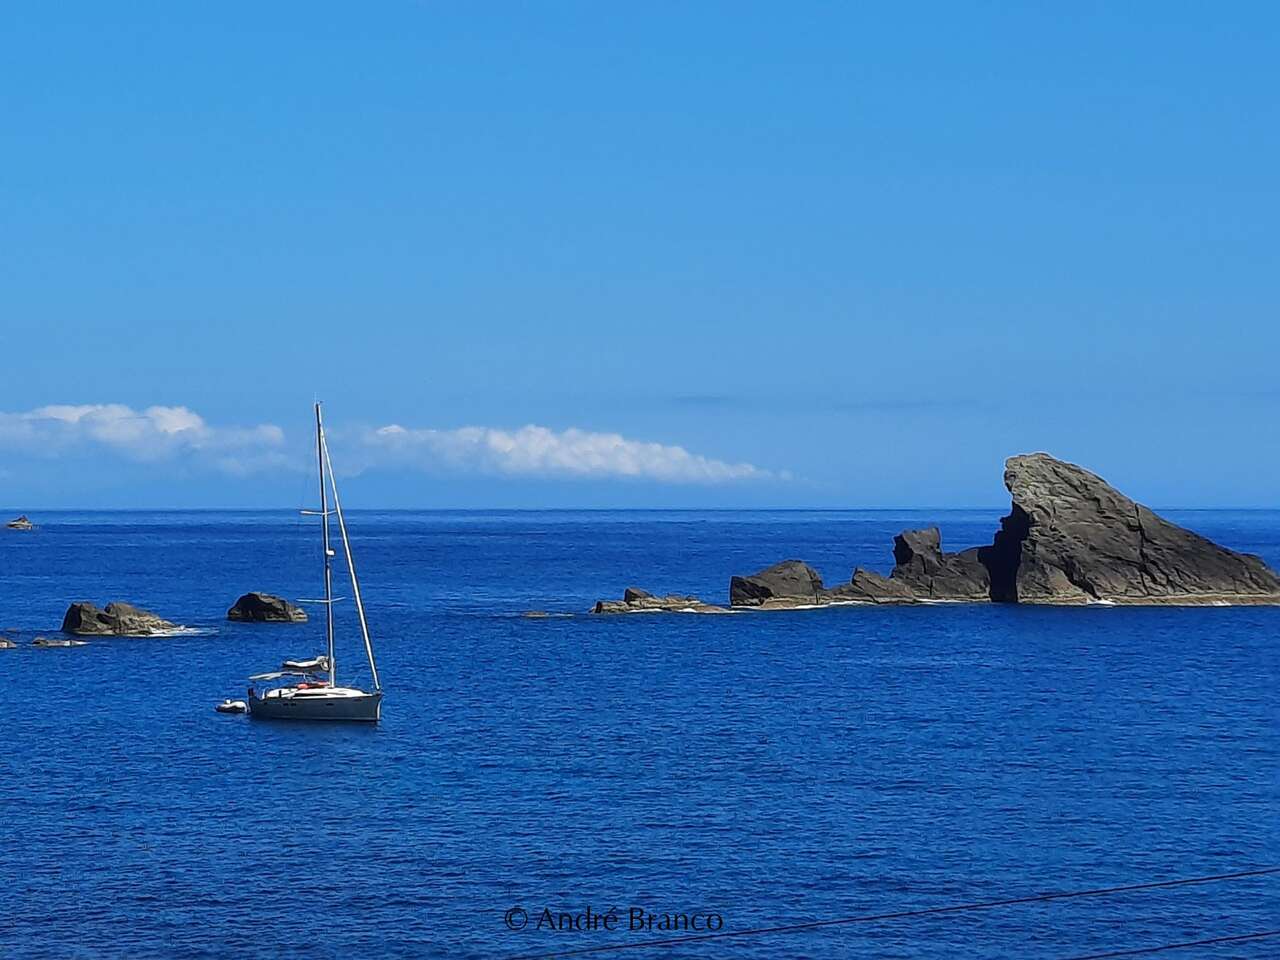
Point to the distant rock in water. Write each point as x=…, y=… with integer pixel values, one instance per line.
x=796, y=584
x=1069, y=538
x=47, y=642
x=635, y=600
x=867, y=586
x=116, y=620
x=930, y=574
x=1072, y=538
x=792, y=582
x=266, y=608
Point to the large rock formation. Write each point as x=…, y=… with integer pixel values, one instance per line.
x=1069, y=538
x=1072, y=538
x=116, y=620
x=265, y=608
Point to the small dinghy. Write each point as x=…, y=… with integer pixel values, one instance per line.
x=20, y=523
x=232, y=706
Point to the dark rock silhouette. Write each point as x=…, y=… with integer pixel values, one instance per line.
x=266, y=608
x=1069, y=538
x=867, y=586
x=115, y=620
x=791, y=580
x=930, y=574
x=1072, y=538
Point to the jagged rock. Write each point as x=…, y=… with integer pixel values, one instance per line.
x=1070, y=537
x=867, y=586
x=266, y=608
x=636, y=600
x=117, y=619
x=931, y=574
x=791, y=581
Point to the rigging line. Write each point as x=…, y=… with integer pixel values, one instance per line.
x=1139, y=951
x=903, y=914
x=351, y=566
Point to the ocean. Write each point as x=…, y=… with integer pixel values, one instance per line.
x=765, y=769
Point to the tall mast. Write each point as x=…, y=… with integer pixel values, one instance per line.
x=351, y=565
x=328, y=552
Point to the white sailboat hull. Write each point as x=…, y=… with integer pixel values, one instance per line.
x=326, y=703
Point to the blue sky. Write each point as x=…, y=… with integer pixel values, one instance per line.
x=836, y=254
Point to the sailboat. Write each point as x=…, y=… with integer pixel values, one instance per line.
x=319, y=696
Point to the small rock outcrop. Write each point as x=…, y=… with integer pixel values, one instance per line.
x=867, y=586
x=54, y=642
x=635, y=600
x=1070, y=537
x=792, y=582
x=796, y=584
x=930, y=574
x=115, y=620
x=265, y=608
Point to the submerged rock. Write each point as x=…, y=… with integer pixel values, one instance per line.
x=1070, y=537
x=54, y=642
x=635, y=600
x=266, y=608
x=115, y=620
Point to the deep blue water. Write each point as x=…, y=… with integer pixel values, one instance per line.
x=771, y=768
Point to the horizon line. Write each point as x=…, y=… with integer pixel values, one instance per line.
x=657, y=509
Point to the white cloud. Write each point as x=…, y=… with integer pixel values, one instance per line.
x=539, y=451
x=159, y=434
x=153, y=434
